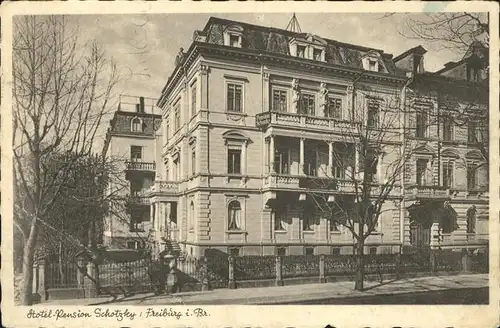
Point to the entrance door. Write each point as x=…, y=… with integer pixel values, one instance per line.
x=420, y=236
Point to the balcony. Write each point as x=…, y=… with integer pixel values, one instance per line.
x=299, y=182
x=429, y=192
x=264, y=120
x=140, y=166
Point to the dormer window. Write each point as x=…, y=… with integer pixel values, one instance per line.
x=301, y=51
x=317, y=54
x=372, y=65
x=372, y=61
x=136, y=125
x=233, y=36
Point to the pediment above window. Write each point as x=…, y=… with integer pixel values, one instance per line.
x=235, y=136
x=474, y=155
x=450, y=153
x=425, y=150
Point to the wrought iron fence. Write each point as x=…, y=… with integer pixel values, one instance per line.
x=61, y=275
x=415, y=262
x=217, y=269
x=479, y=262
x=447, y=260
x=135, y=276
x=340, y=265
x=300, y=265
x=255, y=267
x=381, y=263
x=190, y=271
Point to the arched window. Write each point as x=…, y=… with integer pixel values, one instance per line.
x=234, y=215
x=191, y=215
x=279, y=216
x=136, y=125
x=471, y=220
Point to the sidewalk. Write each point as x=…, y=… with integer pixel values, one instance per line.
x=293, y=293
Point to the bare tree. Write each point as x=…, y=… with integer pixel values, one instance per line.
x=367, y=164
x=61, y=90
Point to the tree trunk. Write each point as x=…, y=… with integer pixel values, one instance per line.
x=62, y=276
x=360, y=265
x=28, y=256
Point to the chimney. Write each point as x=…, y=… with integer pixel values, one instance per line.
x=141, y=103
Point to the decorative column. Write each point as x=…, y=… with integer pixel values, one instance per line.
x=203, y=87
x=265, y=92
x=279, y=276
x=322, y=269
x=271, y=154
x=330, y=159
x=244, y=158
x=301, y=164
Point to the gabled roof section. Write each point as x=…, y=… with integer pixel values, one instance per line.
x=418, y=50
x=275, y=40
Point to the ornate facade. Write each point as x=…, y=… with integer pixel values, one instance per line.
x=257, y=121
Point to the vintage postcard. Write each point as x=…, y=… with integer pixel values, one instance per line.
x=233, y=164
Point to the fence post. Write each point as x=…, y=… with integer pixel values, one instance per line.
x=205, y=282
x=433, y=260
x=38, y=292
x=232, y=283
x=91, y=280
x=322, y=268
x=465, y=260
x=279, y=275
x=80, y=276
x=398, y=265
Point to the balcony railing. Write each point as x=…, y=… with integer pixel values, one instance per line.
x=429, y=191
x=140, y=166
x=263, y=120
x=165, y=187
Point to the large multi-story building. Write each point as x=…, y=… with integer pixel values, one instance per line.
x=256, y=121
x=131, y=146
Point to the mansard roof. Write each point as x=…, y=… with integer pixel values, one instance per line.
x=274, y=40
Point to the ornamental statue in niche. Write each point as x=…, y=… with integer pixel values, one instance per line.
x=323, y=99
x=295, y=96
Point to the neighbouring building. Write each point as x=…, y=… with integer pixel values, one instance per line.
x=253, y=122
x=131, y=146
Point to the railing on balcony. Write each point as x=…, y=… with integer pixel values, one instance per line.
x=263, y=120
x=140, y=166
x=429, y=191
x=165, y=187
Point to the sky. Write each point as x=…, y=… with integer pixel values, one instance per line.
x=145, y=46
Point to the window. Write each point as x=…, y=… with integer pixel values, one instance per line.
x=471, y=177
x=234, y=215
x=317, y=54
x=373, y=250
x=234, y=40
x=333, y=225
x=136, y=124
x=447, y=174
x=373, y=113
x=177, y=117
x=234, y=161
x=234, y=98
x=334, y=108
x=134, y=245
x=448, y=128
x=234, y=251
x=337, y=169
x=421, y=128
x=301, y=51
x=310, y=163
x=307, y=222
x=280, y=251
x=193, y=99
x=372, y=65
x=191, y=216
x=335, y=251
x=471, y=220
x=309, y=251
x=279, y=100
x=279, y=218
x=307, y=104
x=173, y=212
x=136, y=224
x=135, y=153
x=281, y=165
x=471, y=132
x=135, y=187
x=371, y=164
x=421, y=170
x=193, y=162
